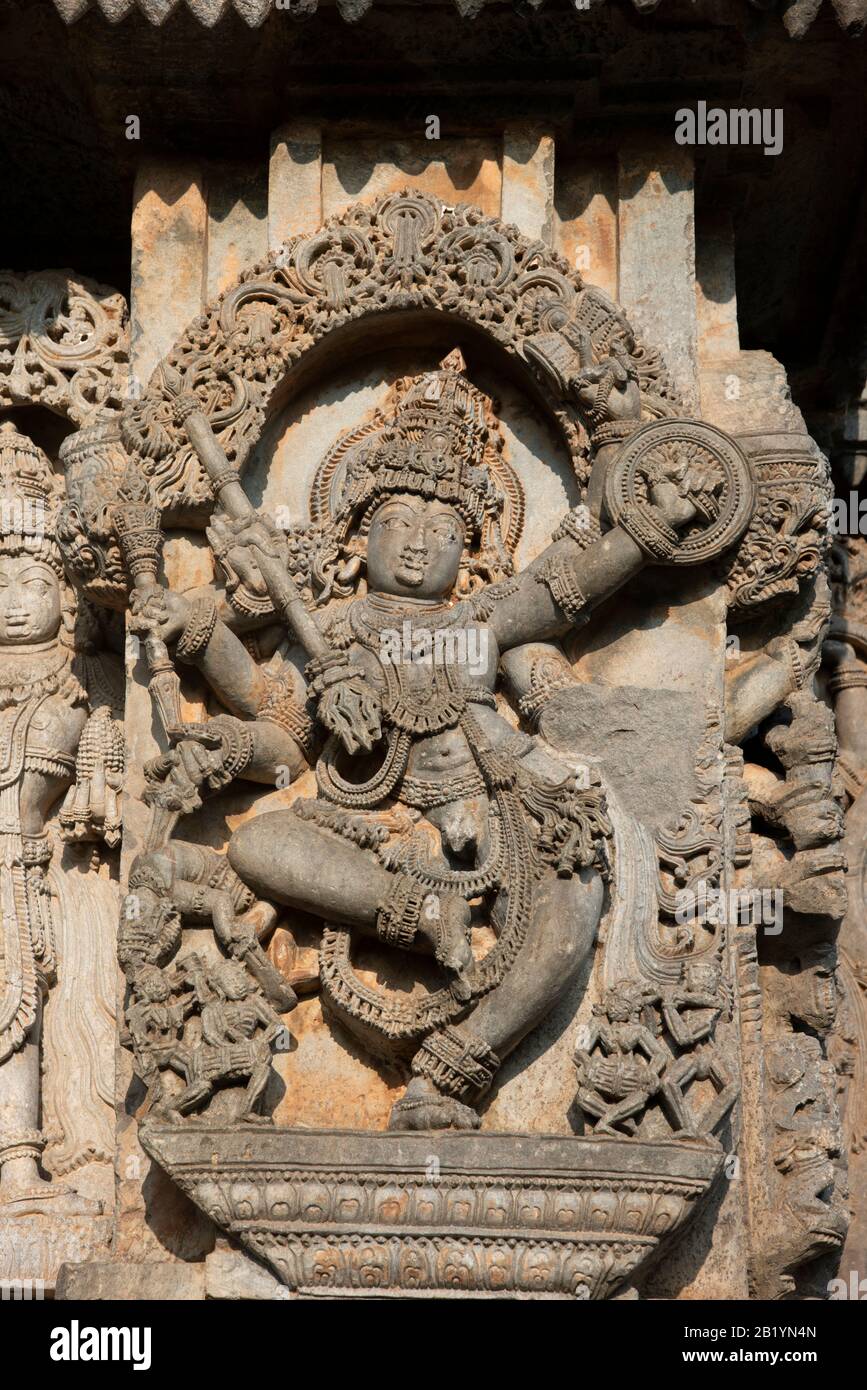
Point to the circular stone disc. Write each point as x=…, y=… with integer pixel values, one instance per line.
x=664, y=441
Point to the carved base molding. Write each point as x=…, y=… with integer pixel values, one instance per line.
x=343, y=1213
x=32, y=1248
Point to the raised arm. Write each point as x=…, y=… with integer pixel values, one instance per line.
x=582, y=567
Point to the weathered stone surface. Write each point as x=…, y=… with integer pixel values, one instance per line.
x=123, y=1282
x=294, y=182
x=230, y=1274
x=169, y=239
x=33, y=1249
x=528, y=181
x=456, y=170
x=482, y=868
x=656, y=262
x=586, y=219
x=621, y=729
x=238, y=221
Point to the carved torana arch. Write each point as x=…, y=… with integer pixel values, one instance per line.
x=406, y=252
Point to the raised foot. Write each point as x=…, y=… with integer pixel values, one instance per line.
x=41, y=1198
x=422, y=1107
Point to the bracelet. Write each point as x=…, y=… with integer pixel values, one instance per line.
x=199, y=905
x=198, y=631
x=847, y=678
x=796, y=664
x=613, y=432
x=221, y=478
x=398, y=917
x=556, y=572
x=184, y=406
x=36, y=849
x=579, y=526
x=652, y=533
x=459, y=1064
x=329, y=669
x=530, y=706
x=237, y=750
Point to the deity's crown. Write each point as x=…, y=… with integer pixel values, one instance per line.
x=29, y=489
x=432, y=443
x=30, y=494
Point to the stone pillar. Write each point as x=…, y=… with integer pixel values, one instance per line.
x=294, y=182
x=169, y=240
x=528, y=181
x=657, y=255
x=237, y=224
x=585, y=219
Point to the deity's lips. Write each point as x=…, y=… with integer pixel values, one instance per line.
x=415, y=569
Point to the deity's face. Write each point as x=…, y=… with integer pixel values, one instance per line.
x=702, y=979
x=414, y=548
x=152, y=986
x=30, y=601
x=231, y=980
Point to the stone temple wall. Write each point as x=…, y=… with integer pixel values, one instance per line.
x=506, y=967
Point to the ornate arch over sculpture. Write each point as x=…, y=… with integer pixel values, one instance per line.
x=404, y=257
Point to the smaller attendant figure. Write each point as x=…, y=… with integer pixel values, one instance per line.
x=238, y=1027
x=229, y=1004
x=53, y=741
x=691, y=1013
x=617, y=1082
x=624, y=1065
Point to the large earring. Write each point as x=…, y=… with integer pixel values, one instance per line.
x=68, y=614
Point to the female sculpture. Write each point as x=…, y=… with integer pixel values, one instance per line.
x=43, y=715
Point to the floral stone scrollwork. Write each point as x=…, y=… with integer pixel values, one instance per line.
x=63, y=344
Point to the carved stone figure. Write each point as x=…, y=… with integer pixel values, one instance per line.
x=394, y=732
x=410, y=722
x=618, y=1083
x=57, y=742
x=844, y=658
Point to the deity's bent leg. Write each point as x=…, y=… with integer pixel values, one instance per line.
x=295, y=862
x=457, y=1063
x=563, y=924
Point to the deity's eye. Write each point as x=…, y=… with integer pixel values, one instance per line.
x=445, y=532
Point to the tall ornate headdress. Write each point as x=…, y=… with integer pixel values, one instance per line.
x=30, y=496
x=438, y=438
x=433, y=445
